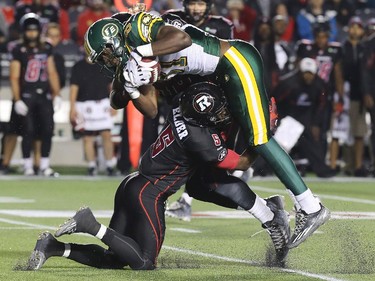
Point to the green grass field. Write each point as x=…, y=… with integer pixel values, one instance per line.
x=207, y=248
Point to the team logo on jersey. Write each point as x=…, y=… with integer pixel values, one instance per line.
x=222, y=155
x=203, y=102
x=110, y=30
x=146, y=20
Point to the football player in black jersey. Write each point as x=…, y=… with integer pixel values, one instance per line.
x=197, y=13
x=35, y=83
x=191, y=137
x=237, y=67
x=328, y=55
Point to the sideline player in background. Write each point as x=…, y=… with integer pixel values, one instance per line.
x=191, y=136
x=236, y=66
x=35, y=84
x=197, y=13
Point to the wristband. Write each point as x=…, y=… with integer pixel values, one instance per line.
x=134, y=95
x=145, y=50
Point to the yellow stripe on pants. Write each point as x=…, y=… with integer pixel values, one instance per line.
x=252, y=95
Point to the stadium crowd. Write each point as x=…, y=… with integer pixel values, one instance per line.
x=319, y=60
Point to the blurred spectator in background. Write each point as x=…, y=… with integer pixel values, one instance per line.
x=90, y=112
x=264, y=41
x=302, y=97
x=352, y=59
x=76, y=7
x=283, y=50
x=283, y=24
x=243, y=18
x=53, y=36
x=34, y=83
x=368, y=81
x=345, y=9
x=164, y=5
x=313, y=14
x=264, y=8
x=47, y=10
x=328, y=55
x=96, y=10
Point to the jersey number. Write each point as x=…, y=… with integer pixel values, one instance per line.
x=163, y=141
x=36, y=70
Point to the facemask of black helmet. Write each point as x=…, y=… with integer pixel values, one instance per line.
x=204, y=105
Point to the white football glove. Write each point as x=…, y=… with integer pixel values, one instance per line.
x=136, y=75
x=21, y=108
x=57, y=103
x=135, y=56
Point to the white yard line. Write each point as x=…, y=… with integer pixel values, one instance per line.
x=196, y=253
x=323, y=196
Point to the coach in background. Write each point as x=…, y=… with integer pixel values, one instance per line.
x=90, y=112
x=35, y=84
x=368, y=80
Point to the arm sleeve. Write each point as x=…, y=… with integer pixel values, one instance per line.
x=230, y=162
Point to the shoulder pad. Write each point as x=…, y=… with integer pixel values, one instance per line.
x=221, y=19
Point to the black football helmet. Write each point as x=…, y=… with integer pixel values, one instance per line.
x=30, y=21
x=189, y=16
x=321, y=25
x=204, y=104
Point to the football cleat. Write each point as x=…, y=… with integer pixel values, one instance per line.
x=180, y=210
x=29, y=172
x=278, y=228
x=83, y=221
x=306, y=224
x=41, y=251
x=48, y=172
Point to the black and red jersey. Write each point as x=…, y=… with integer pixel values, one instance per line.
x=179, y=149
x=34, y=74
x=325, y=58
x=215, y=25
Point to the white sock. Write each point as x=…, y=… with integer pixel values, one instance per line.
x=187, y=198
x=44, y=163
x=101, y=232
x=110, y=163
x=295, y=202
x=308, y=202
x=27, y=163
x=67, y=250
x=92, y=164
x=261, y=211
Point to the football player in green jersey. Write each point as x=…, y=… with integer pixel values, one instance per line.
x=233, y=64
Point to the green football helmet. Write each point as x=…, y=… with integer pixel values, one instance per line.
x=105, y=34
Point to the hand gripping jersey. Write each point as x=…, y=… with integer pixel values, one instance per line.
x=200, y=58
x=179, y=149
